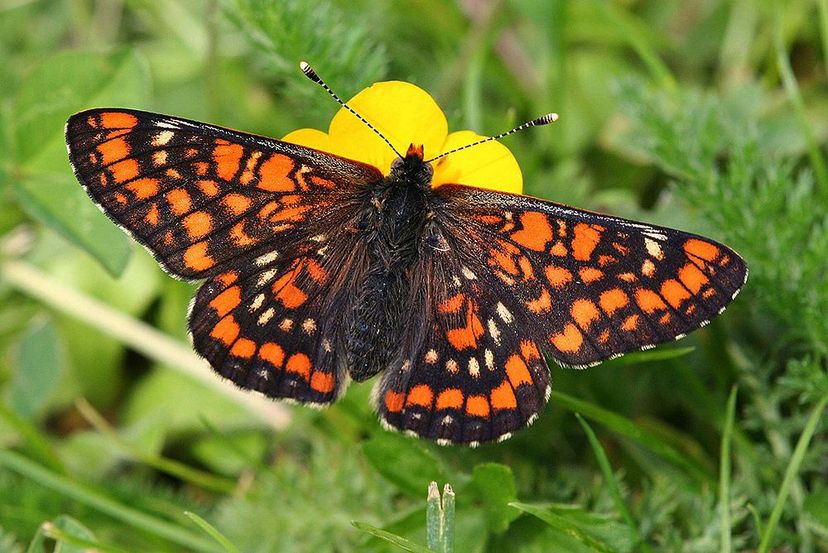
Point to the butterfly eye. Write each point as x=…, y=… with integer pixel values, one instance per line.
x=435, y=240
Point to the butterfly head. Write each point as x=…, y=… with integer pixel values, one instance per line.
x=411, y=168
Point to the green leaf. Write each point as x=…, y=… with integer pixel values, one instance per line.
x=210, y=530
x=593, y=532
x=404, y=462
x=493, y=485
x=58, y=201
x=399, y=541
x=66, y=83
x=39, y=366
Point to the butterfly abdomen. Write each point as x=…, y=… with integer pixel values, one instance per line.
x=394, y=223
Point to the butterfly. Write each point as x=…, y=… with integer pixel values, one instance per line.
x=319, y=269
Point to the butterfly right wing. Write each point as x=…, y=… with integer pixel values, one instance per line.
x=201, y=197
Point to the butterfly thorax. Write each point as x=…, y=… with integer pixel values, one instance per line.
x=394, y=223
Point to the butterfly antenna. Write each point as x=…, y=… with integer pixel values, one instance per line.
x=542, y=120
x=312, y=75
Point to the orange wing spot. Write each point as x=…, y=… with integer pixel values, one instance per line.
x=504, y=260
x=152, y=215
x=227, y=158
x=267, y=209
x=541, y=304
x=179, y=200
x=558, y=249
x=451, y=398
x=674, y=292
x=201, y=168
x=168, y=238
x=143, y=188
x=503, y=397
x=240, y=237
x=613, y=300
x=604, y=260
x=159, y=158
x=290, y=213
x=692, y=277
x=630, y=323
x=272, y=353
x=707, y=294
x=316, y=271
x=589, y=275
x=273, y=174
x=529, y=350
x=558, y=276
x=649, y=301
x=243, y=348
x=102, y=180
x=92, y=122
x=665, y=319
x=124, y=170
x=322, y=382
x=620, y=248
x=699, y=248
x=584, y=241
x=627, y=277
x=526, y=268
x=248, y=174
x=291, y=199
x=536, y=231
x=420, y=395
x=604, y=336
x=227, y=301
x=394, y=401
x=300, y=364
x=236, y=203
x=228, y=278
x=118, y=120
x=93, y=158
x=226, y=331
x=287, y=293
x=570, y=340
x=584, y=312
x=113, y=150
x=452, y=305
x=648, y=268
x=488, y=219
x=324, y=183
x=121, y=199
x=208, y=187
x=517, y=371
x=198, y=224
x=466, y=337
x=477, y=406
x=196, y=258
x=173, y=173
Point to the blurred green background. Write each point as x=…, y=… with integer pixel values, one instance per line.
x=706, y=115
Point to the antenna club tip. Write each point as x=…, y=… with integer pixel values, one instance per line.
x=546, y=119
x=308, y=71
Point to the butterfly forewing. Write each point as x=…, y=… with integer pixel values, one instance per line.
x=590, y=286
x=199, y=197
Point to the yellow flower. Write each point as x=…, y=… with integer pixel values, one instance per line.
x=406, y=115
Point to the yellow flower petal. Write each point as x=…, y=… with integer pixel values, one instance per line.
x=490, y=165
x=401, y=111
x=311, y=138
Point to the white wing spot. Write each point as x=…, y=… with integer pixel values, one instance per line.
x=468, y=274
x=159, y=158
x=451, y=366
x=648, y=268
x=653, y=248
x=257, y=302
x=504, y=313
x=494, y=331
x=286, y=324
x=162, y=138
x=489, y=356
x=431, y=357
x=267, y=258
x=474, y=367
x=266, y=277
x=326, y=345
x=309, y=326
x=266, y=316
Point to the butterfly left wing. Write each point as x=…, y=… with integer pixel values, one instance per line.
x=199, y=196
x=512, y=276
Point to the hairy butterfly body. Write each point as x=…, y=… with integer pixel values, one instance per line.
x=319, y=269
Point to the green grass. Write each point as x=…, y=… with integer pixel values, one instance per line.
x=706, y=116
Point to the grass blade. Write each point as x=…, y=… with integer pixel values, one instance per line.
x=724, y=472
x=211, y=531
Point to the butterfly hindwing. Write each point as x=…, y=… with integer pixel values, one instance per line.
x=468, y=372
x=200, y=197
x=591, y=286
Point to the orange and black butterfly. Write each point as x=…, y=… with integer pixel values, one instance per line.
x=319, y=269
